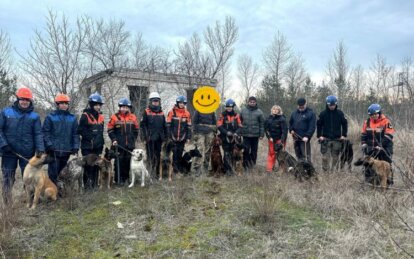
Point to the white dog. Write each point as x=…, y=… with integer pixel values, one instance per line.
x=138, y=167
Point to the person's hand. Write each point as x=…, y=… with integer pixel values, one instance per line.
x=188, y=141
x=7, y=149
x=342, y=138
x=292, y=132
x=270, y=139
x=261, y=138
x=377, y=147
x=115, y=143
x=229, y=134
x=364, y=145
x=235, y=135
x=321, y=138
x=305, y=139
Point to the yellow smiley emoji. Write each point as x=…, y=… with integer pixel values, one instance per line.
x=206, y=99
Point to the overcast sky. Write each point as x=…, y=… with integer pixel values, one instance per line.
x=312, y=27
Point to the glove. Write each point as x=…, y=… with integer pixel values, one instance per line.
x=39, y=154
x=229, y=134
x=7, y=149
x=75, y=151
x=305, y=139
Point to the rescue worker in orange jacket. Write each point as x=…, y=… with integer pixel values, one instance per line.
x=179, y=129
x=91, y=127
x=123, y=131
x=229, y=124
x=377, y=138
x=153, y=131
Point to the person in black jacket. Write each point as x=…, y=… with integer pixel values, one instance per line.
x=276, y=132
x=332, y=128
x=302, y=125
x=153, y=131
x=60, y=136
x=91, y=128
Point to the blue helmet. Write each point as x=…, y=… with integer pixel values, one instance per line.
x=181, y=99
x=96, y=98
x=124, y=102
x=230, y=103
x=331, y=100
x=374, y=108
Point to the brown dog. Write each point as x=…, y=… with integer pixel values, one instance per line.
x=382, y=169
x=166, y=159
x=216, y=158
x=36, y=181
x=237, y=155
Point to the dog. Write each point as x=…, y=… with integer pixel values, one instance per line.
x=138, y=167
x=166, y=159
x=106, y=172
x=71, y=174
x=36, y=181
x=379, y=170
x=216, y=158
x=187, y=158
x=347, y=154
x=286, y=160
x=237, y=154
x=304, y=170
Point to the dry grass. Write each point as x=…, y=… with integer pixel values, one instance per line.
x=258, y=215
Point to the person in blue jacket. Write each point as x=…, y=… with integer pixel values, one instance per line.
x=60, y=136
x=20, y=138
x=302, y=125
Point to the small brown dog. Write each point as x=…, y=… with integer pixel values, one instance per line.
x=382, y=169
x=166, y=159
x=36, y=181
x=215, y=157
x=237, y=155
x=106, y=172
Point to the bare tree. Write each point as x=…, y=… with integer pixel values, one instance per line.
x=53, y=61
x=220, y=41
x=277, y=56
x=7, y=81
x=295, y=75
x=406, y=79
x=149, y=58
x=357, y=82
x=380, y=73
x=338, y=70
x=106, y=44
x=223, y=82
x=5, y=52
x=248, y=73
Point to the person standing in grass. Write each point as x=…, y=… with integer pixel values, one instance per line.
x=276, y=132
x=332, y=129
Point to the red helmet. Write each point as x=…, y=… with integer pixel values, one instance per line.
x=24, y=93
x=62, y=98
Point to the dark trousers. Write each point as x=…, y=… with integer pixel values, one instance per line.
x=8, y=167
x=154, y=153
x=178, y=150
x=302, y=150
x=250, y=151
x=54, y=168
x=124, y=166
x=90, y=176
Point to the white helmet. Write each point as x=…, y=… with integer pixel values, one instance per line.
x=154, y=95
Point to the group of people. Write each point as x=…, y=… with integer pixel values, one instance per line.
x=22, y=135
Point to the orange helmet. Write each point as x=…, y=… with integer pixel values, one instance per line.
x=24, y=93
x=62, y=98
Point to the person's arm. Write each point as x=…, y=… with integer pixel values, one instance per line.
x=38, y=136
x=261, y=125
x=344, y=123
x=47, y=132
x=311, y=126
